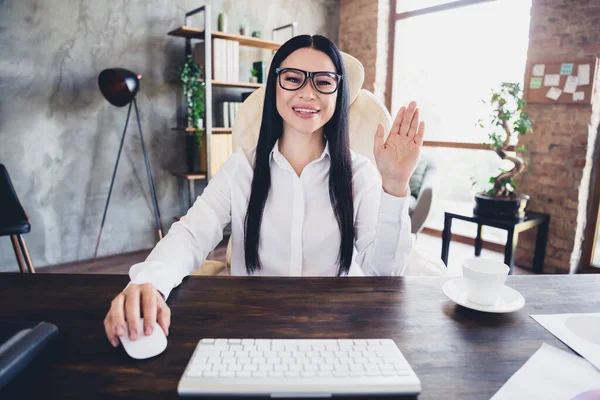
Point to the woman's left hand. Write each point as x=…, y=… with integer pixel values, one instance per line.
x=397, y=156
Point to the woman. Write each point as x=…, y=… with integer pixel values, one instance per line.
x=301, y=203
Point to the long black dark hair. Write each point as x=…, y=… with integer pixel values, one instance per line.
x=336, y=133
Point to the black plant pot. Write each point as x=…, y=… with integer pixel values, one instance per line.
x=513, y=207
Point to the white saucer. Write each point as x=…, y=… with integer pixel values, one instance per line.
x=509, y=300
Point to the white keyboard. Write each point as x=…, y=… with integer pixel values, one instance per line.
x=294, y=368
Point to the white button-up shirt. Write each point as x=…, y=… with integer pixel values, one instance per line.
x=299, y=234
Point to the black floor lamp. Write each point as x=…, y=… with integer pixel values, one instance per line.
x=119, y=86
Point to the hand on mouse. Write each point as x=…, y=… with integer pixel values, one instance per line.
x=124, y=313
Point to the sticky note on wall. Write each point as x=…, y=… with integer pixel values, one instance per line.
x=583, y=73
x=535, y=83
x=566, y=69
x=571, y=84
x=554, y=93
x=552, y=80
x=538, y=69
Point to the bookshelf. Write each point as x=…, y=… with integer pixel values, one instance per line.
x=217, y=146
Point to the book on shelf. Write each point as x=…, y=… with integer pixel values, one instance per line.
x=225, y=57
x=227, y=113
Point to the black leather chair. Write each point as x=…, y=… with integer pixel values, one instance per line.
x=13, y=220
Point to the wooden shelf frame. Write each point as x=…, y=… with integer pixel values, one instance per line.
x=189, y=32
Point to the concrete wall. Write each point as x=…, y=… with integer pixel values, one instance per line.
x=59, y=137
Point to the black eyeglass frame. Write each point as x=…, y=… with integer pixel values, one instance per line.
x=307, y=76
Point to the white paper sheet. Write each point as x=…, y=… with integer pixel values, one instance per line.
x=538, y=69
x=552, y=80
x=578, y=96
x=583, y=73
x=581, y=332
x=551, y=374
x=571, y=84
x=554, y=93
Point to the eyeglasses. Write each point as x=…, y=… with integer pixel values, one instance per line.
x=295, y=79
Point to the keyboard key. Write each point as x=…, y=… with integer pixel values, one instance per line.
x=235, y=367
x=219, y=367
x=201, y=367
x=211, y=374
x=250, y=367
x=292, y=374
x=308, y=373
x=357, y=367
x=227, y=374
x=244, y=360
x=341, y=367
x=221, y=341
x=296, y=367
x=324, y=374
x=247, y=341
x=281, y=367
x=236, y=347
x=235, y=341
x=243, y=374
x=273, y=361
x=225, y=354
x=260, y=374
x=340, y=373
x=207, y=341
x=276, y=374
x=326, y=367
x=311, y=367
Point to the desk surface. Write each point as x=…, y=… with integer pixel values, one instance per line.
x=456, y=352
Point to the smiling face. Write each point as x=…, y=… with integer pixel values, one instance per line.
x=306, y=110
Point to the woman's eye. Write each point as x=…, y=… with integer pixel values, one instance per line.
x=323, y=83
x=292, y=80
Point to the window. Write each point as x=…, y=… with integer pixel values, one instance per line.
x=448, y=60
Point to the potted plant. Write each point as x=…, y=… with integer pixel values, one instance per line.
x=254, y=77
x=193, y=91
x=243, y=28
x=508, y=118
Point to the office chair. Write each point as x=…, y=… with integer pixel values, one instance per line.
x=13, y=220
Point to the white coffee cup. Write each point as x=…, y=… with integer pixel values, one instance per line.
x=484, y=279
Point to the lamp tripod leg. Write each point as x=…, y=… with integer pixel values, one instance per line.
x=149, y=173
x=112, y=182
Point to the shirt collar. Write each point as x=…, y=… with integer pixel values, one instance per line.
x=276, y=155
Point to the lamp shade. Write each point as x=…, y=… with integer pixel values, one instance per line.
x=118, y=85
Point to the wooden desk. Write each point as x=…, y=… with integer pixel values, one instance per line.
x=456, y=352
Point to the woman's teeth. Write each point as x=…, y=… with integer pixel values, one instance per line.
x=305, y=111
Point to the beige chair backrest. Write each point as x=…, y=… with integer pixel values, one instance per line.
x=366, y=111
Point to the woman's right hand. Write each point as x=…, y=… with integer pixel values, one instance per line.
x=124, y=313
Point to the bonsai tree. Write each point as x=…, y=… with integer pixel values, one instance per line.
x=507, y=119
x=193, y=90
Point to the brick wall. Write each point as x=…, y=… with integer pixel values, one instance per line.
x=560, y=150
x=363, y=33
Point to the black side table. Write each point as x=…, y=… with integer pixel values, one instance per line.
x=514, y=227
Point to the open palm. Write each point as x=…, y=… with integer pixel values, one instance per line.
x=397, y=156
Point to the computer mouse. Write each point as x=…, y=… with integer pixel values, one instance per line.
x=145, y=346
